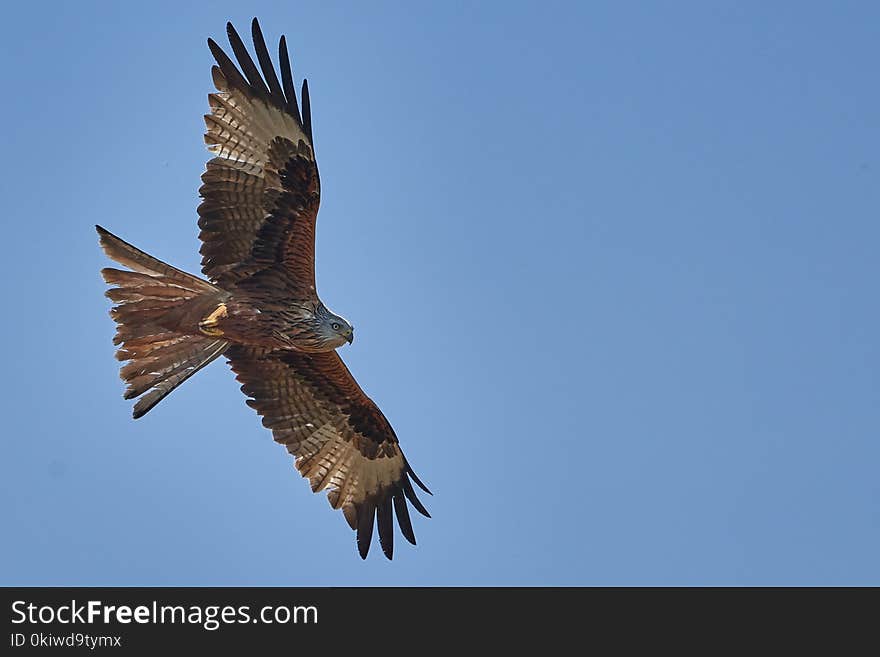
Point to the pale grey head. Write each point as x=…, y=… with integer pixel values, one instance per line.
x=330, y=329
x=312, y=327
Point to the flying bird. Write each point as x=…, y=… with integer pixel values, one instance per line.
x=258, y=305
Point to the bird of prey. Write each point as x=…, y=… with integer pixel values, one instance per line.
x=259, y=306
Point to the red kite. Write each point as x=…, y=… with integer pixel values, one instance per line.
x=259, y=306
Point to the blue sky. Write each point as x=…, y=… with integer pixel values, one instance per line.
x=613, y=268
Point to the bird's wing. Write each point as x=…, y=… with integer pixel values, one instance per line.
x=339, y=437
x=260, y=193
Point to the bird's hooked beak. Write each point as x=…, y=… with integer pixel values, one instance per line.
x=350, y=337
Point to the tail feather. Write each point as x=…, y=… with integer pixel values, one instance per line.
x=143, y=263
x=173, y=379
x=160, y=357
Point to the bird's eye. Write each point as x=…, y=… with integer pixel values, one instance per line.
x=335, y=326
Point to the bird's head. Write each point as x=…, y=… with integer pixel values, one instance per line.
x=332, y=330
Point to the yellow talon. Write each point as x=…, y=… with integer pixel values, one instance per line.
x=208, y=326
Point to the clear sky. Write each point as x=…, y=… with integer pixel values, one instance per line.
x=613, y=268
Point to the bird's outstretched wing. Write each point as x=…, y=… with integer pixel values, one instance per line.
x=339, y=437
x=261, y=191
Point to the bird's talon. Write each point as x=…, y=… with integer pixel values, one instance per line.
x=208, y=326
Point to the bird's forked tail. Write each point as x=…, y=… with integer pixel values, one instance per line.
x=152, y=333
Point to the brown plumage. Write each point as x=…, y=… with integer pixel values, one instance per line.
x=260, y=307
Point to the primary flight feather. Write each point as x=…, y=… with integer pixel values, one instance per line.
x=260, y=307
